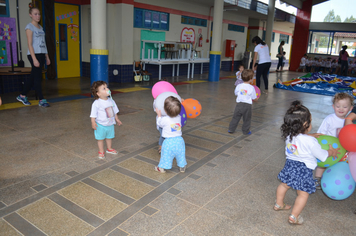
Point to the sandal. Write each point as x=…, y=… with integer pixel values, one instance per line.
x=294, y=221
x=159, y=169
x=111, y=151
x=277, y=207
x=101, y=155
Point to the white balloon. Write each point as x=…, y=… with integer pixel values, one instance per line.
x=159, y=101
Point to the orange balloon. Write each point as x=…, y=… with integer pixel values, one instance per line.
x=192, y=107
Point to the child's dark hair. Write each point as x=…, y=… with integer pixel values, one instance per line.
x=342, y=96
x=94, y=88
x=172, y=106
x=296, y=121
x=241, y=66
x=247, y=75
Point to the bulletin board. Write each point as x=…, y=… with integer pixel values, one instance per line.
x=154, y=36
x=7, y=35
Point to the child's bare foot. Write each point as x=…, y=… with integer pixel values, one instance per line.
x=277, y=207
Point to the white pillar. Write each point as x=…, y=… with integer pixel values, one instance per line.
x=217, y=25
x=270, y=19
x=98, y=24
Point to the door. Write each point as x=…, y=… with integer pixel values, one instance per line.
x=67, y=40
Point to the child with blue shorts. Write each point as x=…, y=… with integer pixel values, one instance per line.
x=173, y=145
x=103, y=117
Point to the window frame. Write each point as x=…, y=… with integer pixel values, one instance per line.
x=236, y=28
x=153, y=14
x=7, y=9
x=201, y=22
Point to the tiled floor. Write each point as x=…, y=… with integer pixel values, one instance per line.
x=52, y=183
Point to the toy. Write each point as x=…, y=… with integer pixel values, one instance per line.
x=192, y=107
x=162, y=86
x=258, y=91
x=347, y=137
x=324, y=141
x=352, y=164
x=183, y=116
x=159, y=101
x=337, y=182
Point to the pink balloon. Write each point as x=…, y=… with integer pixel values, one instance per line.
x=258, y=91
x=352, y=164
x=161, y=87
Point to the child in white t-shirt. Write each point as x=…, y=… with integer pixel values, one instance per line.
x=103, y=117
x=331, y=125
x=173, y=145
x=238, y=75
x=245, y=93
x=303, y=63
x=301, y=150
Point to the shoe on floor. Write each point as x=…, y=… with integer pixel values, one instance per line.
x=318, y=183
x=249, y=132
x=24, y=100
x=43, y=103
x=111, y=151
x=159, y=169
x=229, y=131
x=182, y=169
x=101, y=155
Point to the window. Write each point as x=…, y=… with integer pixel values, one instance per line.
x=193, y=21
x=4, y=8
x=330, y=42
x=237, y=28
x=151, y=19
x=264, y=36
x=284, y=37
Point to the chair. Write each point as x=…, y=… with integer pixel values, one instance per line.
x=137, y=71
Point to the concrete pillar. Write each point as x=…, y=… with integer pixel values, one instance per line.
x=215, y=53
x=99, y=55
x=270, y=20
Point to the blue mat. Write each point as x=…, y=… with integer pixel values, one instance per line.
x=322, y=87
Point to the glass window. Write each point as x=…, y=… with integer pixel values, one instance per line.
x=4, y=8
x=284, y=37
x=330, y=42
x=151, y=19
x=164, y=21
x=193, y=21
x=237, y=28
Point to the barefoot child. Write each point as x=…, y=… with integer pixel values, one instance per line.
x=173, y=145
x=301, y=152
x=331, y=125
x=103, y=117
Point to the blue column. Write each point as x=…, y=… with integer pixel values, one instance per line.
x=99, y=65
x=214, y=66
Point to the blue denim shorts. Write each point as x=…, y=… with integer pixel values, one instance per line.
x=104, y=132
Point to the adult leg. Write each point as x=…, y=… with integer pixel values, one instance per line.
x=265, y=71
x=29, y=83
x=235, y=119
x=37, y=76
x=258, y=75
x=280, y=61
x=246, y=118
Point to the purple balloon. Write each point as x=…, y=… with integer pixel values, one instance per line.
x=183, y=116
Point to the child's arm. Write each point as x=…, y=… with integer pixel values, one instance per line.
x=158, y=112
x=118, y=122
x=351, y=117
x=0, y=101
x=93, y=123
x=315, y=135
